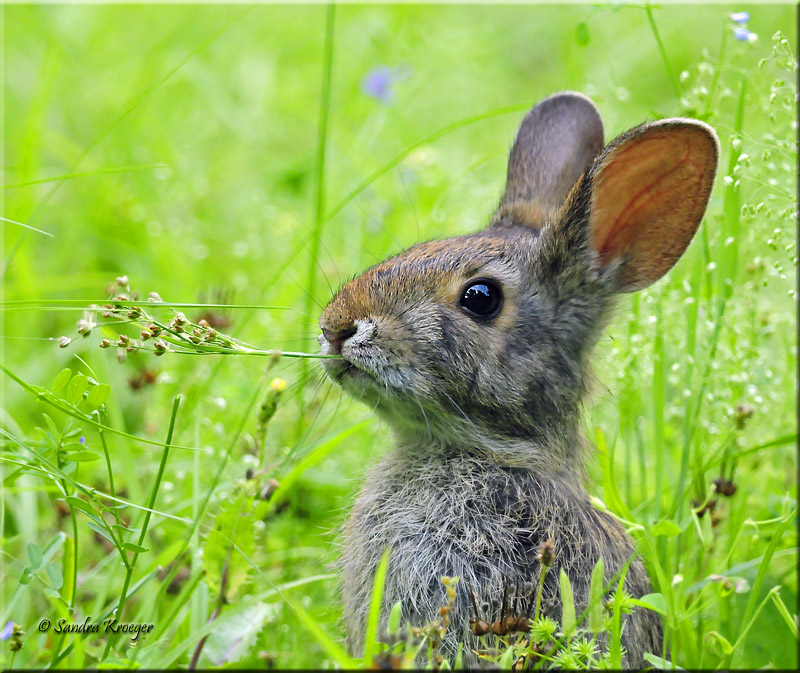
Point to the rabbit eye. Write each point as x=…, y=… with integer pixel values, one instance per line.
x=482, y=298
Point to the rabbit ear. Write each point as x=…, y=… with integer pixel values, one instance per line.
x=649, y=191
x=555, y=144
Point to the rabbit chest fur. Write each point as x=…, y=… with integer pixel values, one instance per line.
x=475, y=351
x=483, y=522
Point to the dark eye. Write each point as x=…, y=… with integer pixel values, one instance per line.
x=482, y=298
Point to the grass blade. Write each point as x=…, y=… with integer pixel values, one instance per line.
x=319, y=186
x=749, y=615
x=567, y=605
x=596, y=598
x=791, y=621
x=371, y=645
x=153, y=493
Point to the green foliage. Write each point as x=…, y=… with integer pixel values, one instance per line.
x=192, y=150
x=567, y=605
x=229, y=546
x=596, y=598
x=234, y=636
x=376, y=604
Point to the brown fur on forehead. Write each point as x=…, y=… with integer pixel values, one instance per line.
x=465, y=254
x=433, y=268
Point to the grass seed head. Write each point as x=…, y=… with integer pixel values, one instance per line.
x=85, y=326
x=16, y=638
x=742, y=414
x=547, y=553
x=160, y=346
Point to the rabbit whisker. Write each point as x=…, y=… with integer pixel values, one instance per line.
x=460, y=410
x=424, y=415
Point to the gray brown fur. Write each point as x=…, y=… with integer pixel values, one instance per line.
x=488, y=458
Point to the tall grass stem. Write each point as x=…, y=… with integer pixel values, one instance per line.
x=319, y=186
x=151, y=503
x=676, y=86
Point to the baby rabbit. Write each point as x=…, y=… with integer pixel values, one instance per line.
x=474, y=349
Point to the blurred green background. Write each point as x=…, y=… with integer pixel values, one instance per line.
x=179, y=145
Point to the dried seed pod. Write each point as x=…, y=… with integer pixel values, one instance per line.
x=508, y=623
x=268, y=489
x=725, y=487
x=523, y=624
x=479, y=627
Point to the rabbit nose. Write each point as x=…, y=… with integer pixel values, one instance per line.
x=337, y=337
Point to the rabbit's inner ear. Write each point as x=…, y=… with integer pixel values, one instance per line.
x=556, y=142
x=650, y=189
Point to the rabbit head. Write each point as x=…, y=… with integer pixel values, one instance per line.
x=482, y=340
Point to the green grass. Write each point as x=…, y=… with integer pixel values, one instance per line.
x=229, y=156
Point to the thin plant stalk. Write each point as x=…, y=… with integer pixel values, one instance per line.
x=731, y=211
x=662, y=50
x=108, y=612
x=659, y=403
x=539, y=592
x=717, y=72
x=319, y=184
x=148, y=514
x=221, y=599
x=204, y=503
x=108, y=463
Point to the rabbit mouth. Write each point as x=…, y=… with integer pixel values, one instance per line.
x=360, y=374
x=364, y=363
x=345, y=368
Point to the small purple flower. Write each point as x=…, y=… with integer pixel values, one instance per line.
x=82, y=440
x=378, y=83
x=740, y=17
x=744, y=35
x=8, y=629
